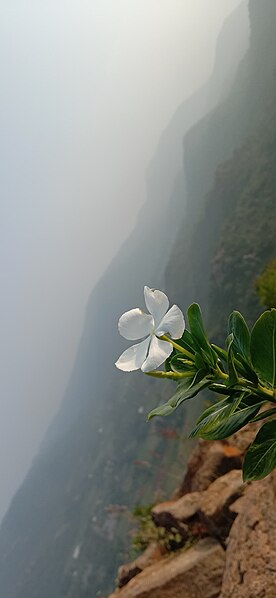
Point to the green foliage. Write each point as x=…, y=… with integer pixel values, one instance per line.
x=187, y=389
x=244, y=373
x=225, y=418
x=147, y=532
x=233, y=376
x=265, y=285
x=263, y=347
x=237, y=326
x=199, y=335
x=260, y=459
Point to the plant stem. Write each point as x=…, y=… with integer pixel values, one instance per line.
x=170, y=375
x=220, y=373
x=177, y=347
x=266, y=392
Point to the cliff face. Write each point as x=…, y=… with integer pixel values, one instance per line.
x=230, y=152
x=232, y=526
x=251, y=551
x=235, y=222
x=226, y=237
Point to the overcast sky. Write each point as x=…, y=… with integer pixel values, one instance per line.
x=86, y=89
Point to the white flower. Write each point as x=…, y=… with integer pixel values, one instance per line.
x=136, y=324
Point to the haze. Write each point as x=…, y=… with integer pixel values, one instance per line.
x=86, y=90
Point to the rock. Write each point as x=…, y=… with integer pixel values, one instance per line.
x=243, y=438
x=175, y=514
x=212, y=501
x=216, y=501
x=221, y=493
x=182, y=509
x=250, y=570
x=208, y=461
x=203, y=513
x=194, y=573
x=126, y=572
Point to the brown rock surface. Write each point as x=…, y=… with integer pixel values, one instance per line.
x=183, y=509
x=193, y=573
x=209, y=508
x=212, y=502
x=175, y=514
x=216, y=502
x=221, y=493
x=250, y=570
x=243, y=438
x=126, y=572
x=208, y=461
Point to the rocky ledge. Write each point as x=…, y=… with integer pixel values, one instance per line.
x=227, y=528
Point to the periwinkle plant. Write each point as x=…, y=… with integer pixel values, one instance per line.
x=242, y=376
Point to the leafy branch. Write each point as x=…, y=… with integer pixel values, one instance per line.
x=243, y=376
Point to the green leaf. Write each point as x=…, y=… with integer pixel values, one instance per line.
x=222, y=389
x=168, y=363
x=186, y=389
x=162, y=411
x=225, y=418
x=260, y=459
x=167, y=408
x=233, y=377
x=235, y=422
x=264, y=414
x=222, y=354
x=214, y=415
x=243, y=367
x=263, y=347
x=238, y=327
x=199, y=335
x=181, y=364
x=183, y=393
x=187, y=342
x=199, y=362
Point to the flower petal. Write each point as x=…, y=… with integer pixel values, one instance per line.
x=133, y=358
x=172, y=323
x=157, y=304
x=158, y=353
x=134, y=324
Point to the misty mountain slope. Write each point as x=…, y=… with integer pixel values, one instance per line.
x=58, y=539
x=213, y=140
x=169, y=156
x=142, y=257
x=246, y=240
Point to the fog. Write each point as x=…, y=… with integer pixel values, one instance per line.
x=86, y=90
